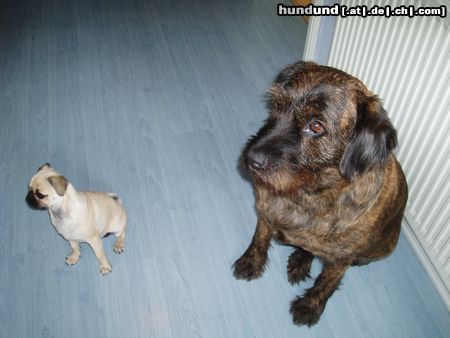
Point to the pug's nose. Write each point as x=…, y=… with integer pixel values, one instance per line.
x=257, y=160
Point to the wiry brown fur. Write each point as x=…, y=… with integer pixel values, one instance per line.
x=338, y=195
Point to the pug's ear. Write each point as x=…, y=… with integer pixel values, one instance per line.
x=43, y=166
x=373, y=139
x=59, y=183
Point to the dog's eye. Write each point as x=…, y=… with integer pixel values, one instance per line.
x=39, y=195
x=315, y=128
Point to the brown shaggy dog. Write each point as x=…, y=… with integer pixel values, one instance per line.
x=325, y=181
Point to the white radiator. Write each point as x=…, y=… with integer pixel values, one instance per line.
x=407, y=63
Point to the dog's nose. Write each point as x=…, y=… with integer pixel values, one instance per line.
x=257, y=160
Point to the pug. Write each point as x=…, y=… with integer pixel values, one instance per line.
x=79, y=216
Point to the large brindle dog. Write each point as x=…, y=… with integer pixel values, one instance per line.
x=325, y=181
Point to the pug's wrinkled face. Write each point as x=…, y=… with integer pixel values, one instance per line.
x=46, y=189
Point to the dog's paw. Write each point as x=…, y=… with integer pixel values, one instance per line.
x=299, y=265
x=72, y=259
x=247, y=268
x=118, y=248
x=305, y=311
x=105, y=269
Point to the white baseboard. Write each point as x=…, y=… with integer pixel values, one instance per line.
x=427, y=264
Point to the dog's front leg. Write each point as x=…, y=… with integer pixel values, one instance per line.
x=306, y=310
x=252, y=263
x=75, y=254
x=97, y=246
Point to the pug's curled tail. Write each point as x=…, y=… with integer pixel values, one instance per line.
x=114, y=197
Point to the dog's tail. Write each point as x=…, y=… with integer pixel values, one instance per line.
x=114, y=197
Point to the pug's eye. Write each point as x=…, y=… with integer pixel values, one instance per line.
x=39, y=195
x=315, y=128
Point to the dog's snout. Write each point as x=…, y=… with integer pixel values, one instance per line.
x=32, y=202
x=257, y=160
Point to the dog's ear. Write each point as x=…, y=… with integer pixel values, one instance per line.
x=59, y=183
x=372, y=140
x=43, y=166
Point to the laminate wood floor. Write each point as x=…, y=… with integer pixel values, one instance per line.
x=154, y=100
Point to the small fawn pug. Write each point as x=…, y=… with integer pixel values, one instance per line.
x=79, y=216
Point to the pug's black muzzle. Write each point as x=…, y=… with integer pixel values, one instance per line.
x=32, y=201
